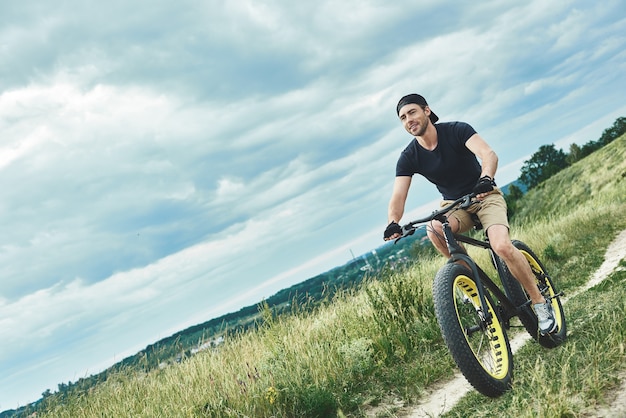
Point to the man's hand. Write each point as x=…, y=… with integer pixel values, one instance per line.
x=484, y=186
x=392, y=231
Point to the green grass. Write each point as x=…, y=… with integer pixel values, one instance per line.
x=574, y=378
x=379, y=343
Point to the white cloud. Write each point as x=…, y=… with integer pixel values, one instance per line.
x=227, y=187
x=162, y=168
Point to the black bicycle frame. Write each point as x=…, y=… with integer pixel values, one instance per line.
x=457, y=253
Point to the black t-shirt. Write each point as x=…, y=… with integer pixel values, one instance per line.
x=451, y=166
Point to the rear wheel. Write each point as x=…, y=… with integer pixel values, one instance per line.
x=481, y=350
x=519, y=297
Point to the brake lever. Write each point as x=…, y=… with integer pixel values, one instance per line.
x=405, y=233
x=468, y=201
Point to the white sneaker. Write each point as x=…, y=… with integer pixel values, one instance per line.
x=545, y=315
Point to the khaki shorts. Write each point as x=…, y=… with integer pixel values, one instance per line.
x=490, y=211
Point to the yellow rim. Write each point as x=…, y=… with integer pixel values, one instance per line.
x=495, y=360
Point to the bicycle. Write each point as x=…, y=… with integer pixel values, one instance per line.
x=474, y=313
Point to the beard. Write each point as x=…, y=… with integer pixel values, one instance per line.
x=421, y=128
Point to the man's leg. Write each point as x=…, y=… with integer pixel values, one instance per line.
x=434, y=231
x=459, y=220
x=515, y=261
x=519, y=267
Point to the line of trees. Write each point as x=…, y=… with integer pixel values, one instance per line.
x=548, y=161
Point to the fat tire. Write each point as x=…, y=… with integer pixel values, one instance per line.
x=519, y=297
x=493, y=375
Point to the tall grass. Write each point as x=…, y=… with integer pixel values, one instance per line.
x=338, y=357
x=377, y=347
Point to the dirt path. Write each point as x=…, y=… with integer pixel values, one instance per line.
x=444, y=396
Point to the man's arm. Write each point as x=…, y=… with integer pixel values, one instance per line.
x=398, y=198
x=487, y=156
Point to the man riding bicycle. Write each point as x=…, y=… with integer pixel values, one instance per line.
x=447, y=154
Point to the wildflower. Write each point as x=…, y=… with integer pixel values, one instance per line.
x=271, y=394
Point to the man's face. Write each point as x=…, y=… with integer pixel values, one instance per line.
x=414, y=119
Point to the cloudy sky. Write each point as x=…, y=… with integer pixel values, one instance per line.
x=163, y=163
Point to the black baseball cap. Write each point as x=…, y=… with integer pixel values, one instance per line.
x=418, y=100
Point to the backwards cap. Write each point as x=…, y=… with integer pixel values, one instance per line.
x=418, y=100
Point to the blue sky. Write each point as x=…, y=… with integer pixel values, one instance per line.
x=163, y=163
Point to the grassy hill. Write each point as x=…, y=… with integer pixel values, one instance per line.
x=305, y=295
x=380, y=341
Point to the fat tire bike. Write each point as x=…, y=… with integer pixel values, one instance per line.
x=474, y=313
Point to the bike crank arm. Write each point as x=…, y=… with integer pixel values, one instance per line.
x=557, y=295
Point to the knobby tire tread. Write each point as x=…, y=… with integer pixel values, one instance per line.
x=454, y=335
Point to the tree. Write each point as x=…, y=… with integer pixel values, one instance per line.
x=589, y=147
x=575, y=154
x=542, y=165
x=611, y=134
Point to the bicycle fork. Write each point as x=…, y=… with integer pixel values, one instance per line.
x=458, y=253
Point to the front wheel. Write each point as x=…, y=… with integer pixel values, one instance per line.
x=519, y=297
x=481, y=350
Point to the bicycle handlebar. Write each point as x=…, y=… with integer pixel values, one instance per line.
x=462, y=202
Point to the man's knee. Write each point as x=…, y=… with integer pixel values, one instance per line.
x=435, y=227
x=504, y=249
x=500, y=241
x=434, y=231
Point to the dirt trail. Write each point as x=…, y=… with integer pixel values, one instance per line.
x=444, y=396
